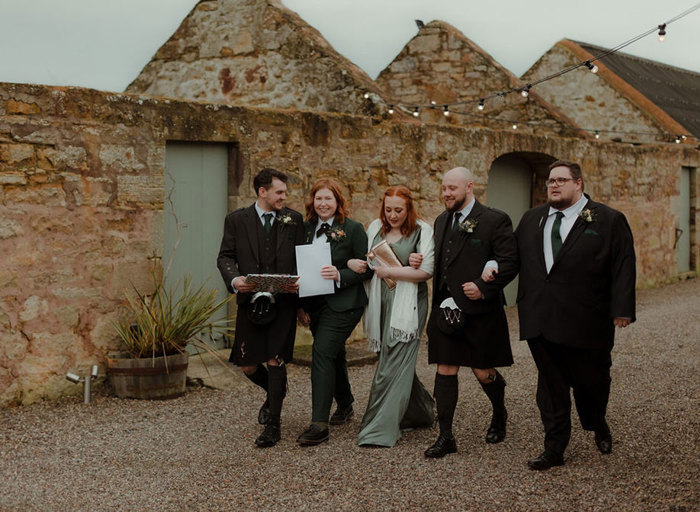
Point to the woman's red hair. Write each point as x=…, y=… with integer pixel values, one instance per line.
x=411, y=222
x=335, y=188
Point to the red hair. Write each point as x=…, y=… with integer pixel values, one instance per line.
x=411, y=222
x=340, y=214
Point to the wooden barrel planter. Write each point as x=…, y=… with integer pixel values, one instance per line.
x=148, y=378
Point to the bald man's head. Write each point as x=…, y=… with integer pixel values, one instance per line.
x=457, y=188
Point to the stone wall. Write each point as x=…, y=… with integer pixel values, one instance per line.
x=440, y=64
x=81, y=199
x=255, y=53
x=591, y=99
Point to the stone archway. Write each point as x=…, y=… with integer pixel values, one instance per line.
x=516, y=183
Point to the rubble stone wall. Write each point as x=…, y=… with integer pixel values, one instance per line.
x=82, y=186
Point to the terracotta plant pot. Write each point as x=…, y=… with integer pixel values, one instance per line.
x=148, y=378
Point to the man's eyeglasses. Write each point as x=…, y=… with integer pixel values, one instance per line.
x=557, y=182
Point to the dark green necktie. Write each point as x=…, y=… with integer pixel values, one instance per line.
x=268, y=222
x=455, y=224
x=556, y=235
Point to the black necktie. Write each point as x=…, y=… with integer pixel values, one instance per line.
x=268, y=222
x=325, y=228
x=556, y=235
x=455, y=223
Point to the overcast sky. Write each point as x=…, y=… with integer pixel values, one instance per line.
x=104, y=44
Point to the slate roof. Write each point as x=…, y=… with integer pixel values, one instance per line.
x=674, y=90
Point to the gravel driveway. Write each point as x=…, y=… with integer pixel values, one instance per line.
x=197, y=452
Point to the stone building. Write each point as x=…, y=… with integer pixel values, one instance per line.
x=255, y=53
x=88, y=180
x=628, y=99
x=441, y=65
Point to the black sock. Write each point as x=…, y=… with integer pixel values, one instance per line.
x=446, y=392
x=259, y=377
x=277, y=380
x=496, y=391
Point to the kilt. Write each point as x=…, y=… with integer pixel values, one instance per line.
x=255, y=344
x=484, y=341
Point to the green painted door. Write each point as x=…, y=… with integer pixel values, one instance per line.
x=509, y=189
x=683, y=230
x=196, y=188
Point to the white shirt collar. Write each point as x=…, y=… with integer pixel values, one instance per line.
x=329, y=222
x=574, y=209
x=262, y=212
x=466, y=210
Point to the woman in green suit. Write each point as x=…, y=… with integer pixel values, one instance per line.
x=332, y=317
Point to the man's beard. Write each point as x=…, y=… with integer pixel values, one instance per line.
x=560, y=204
x=457, y=206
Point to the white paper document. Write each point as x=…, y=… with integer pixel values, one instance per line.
x=310, y=259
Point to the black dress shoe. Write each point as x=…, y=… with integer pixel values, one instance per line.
x=313, y=435
x=603, y=441
x=341, y=415
x=264, y=413
x=270, y=435
x=445, y=444
x=497, y=430
x=545, y=461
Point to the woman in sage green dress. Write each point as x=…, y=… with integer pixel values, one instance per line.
x=394, y=320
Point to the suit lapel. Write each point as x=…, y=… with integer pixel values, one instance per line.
x=460, y=237
x=251, y=228
x=279, y=227
x=440, y=229
x=308, y=232
x=576, y=230
x=540, y=238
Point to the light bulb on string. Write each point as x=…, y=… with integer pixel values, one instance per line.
x=391, y=109
x=433, y=102
x=415, y=112
x=525, y=91
x=592, y=67
x=481, y=104
x=366, y=95
x=662, y=32
x=597, y=134
x=446, y=110
x=515, y=126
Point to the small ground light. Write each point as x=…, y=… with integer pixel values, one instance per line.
x=75, y=379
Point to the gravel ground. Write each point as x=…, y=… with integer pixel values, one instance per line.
x=197, y=452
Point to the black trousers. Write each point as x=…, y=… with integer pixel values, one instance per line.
x=560, y=368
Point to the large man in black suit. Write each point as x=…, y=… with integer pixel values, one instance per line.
x=260, y=239
x=469, y=235
x=577, y=278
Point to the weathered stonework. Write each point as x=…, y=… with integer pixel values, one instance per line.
x=440, y=64
x=255, y=53
x=72, y=242
x=596, y=100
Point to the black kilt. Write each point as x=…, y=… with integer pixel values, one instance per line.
x=255, y=344
x=483, y=343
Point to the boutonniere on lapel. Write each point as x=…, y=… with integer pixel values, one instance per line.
x=286, y=220
x=587, y=215
x=468, y=226
x=335, y=234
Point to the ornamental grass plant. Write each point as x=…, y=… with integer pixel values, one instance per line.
x=164, y=323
